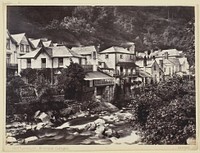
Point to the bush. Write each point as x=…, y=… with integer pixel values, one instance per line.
x=173, y=123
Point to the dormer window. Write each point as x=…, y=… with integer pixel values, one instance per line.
x=22, y=47
x=60, y=62
x=27, y=48
x=94, y=55
x=106, y=56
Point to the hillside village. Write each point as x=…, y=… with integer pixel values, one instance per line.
x=117, y=67
x=104, y=67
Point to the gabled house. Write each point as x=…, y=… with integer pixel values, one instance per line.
x=11, y=54
x=49, y=57
x=22, y=44
x=113, y=56
x=102, y=83
x=151, y=67
x=184, y=65
x=90, y=53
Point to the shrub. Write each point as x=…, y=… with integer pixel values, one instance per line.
x=173, y=123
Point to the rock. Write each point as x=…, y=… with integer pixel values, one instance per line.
x=11, y=140
x=9, y=134
x=99, y=130
x=29, y=139
x=124, y=116
x=37, y=114
x=65, y=125
x=44, y=117
x=87, y=142
x=40, y=126
x=99, y=122
x=90, y=126
x=109, y=132
x=66, y=111
x=86, y=133
x=191, y=141
x=110, y=118
x=82, y=114
x=75, y=133
x=110, y=107
x=103, y=141
x=131, y=139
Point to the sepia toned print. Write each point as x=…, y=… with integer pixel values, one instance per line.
x=100, y=75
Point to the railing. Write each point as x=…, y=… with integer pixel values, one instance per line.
x=88, y=68
x=103, y=82
x=13, y=66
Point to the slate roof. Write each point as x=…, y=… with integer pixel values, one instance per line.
x=58, y=51
x=84, y=50
x=35, y=42
x=96, y=75
x=115, y=49
x=31, y=54
x=47, y=43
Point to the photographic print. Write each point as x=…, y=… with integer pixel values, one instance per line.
x=100, y=75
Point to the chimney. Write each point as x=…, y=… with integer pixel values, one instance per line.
x=161, y=63
x=132, y=48
x=145, y=61
x=166, y=55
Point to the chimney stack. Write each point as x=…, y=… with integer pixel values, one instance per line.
x=145, y=61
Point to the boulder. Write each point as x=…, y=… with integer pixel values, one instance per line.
x=37, y=114
x=44, y=117
x=90, y=126
x=66, y=111
x=99, y=122
x=100, y=130
x=30, y=139
x=124, y=116
x=11, y=140
x=109, y=132
x=103, y=141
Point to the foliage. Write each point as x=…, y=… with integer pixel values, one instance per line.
x=172, y=123
x=13, y=93
x=166, y=112
x=72, y=81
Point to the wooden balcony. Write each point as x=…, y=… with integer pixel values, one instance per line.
x=105, y=82
x=12, y=66
x=88, y=68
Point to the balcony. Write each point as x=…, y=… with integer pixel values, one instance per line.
x=12, y=66
x=104, y=82
x=88, y=68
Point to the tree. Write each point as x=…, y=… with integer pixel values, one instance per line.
x=72, y=81
x=13, y=93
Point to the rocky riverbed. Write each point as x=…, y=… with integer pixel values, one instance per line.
x=82, y=128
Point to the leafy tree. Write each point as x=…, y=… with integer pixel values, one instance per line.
x=72, y=81
x=13, y=93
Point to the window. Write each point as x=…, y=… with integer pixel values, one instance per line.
x=27, y=48
x=43, y=60
x=165, y=69
x=21, y=47
x=8, y=44
x=106, y=56
x=121, y=56
x=154, y=67
x=60, y=62
x=8, y=58
x=28, y=63
x=94, y=55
